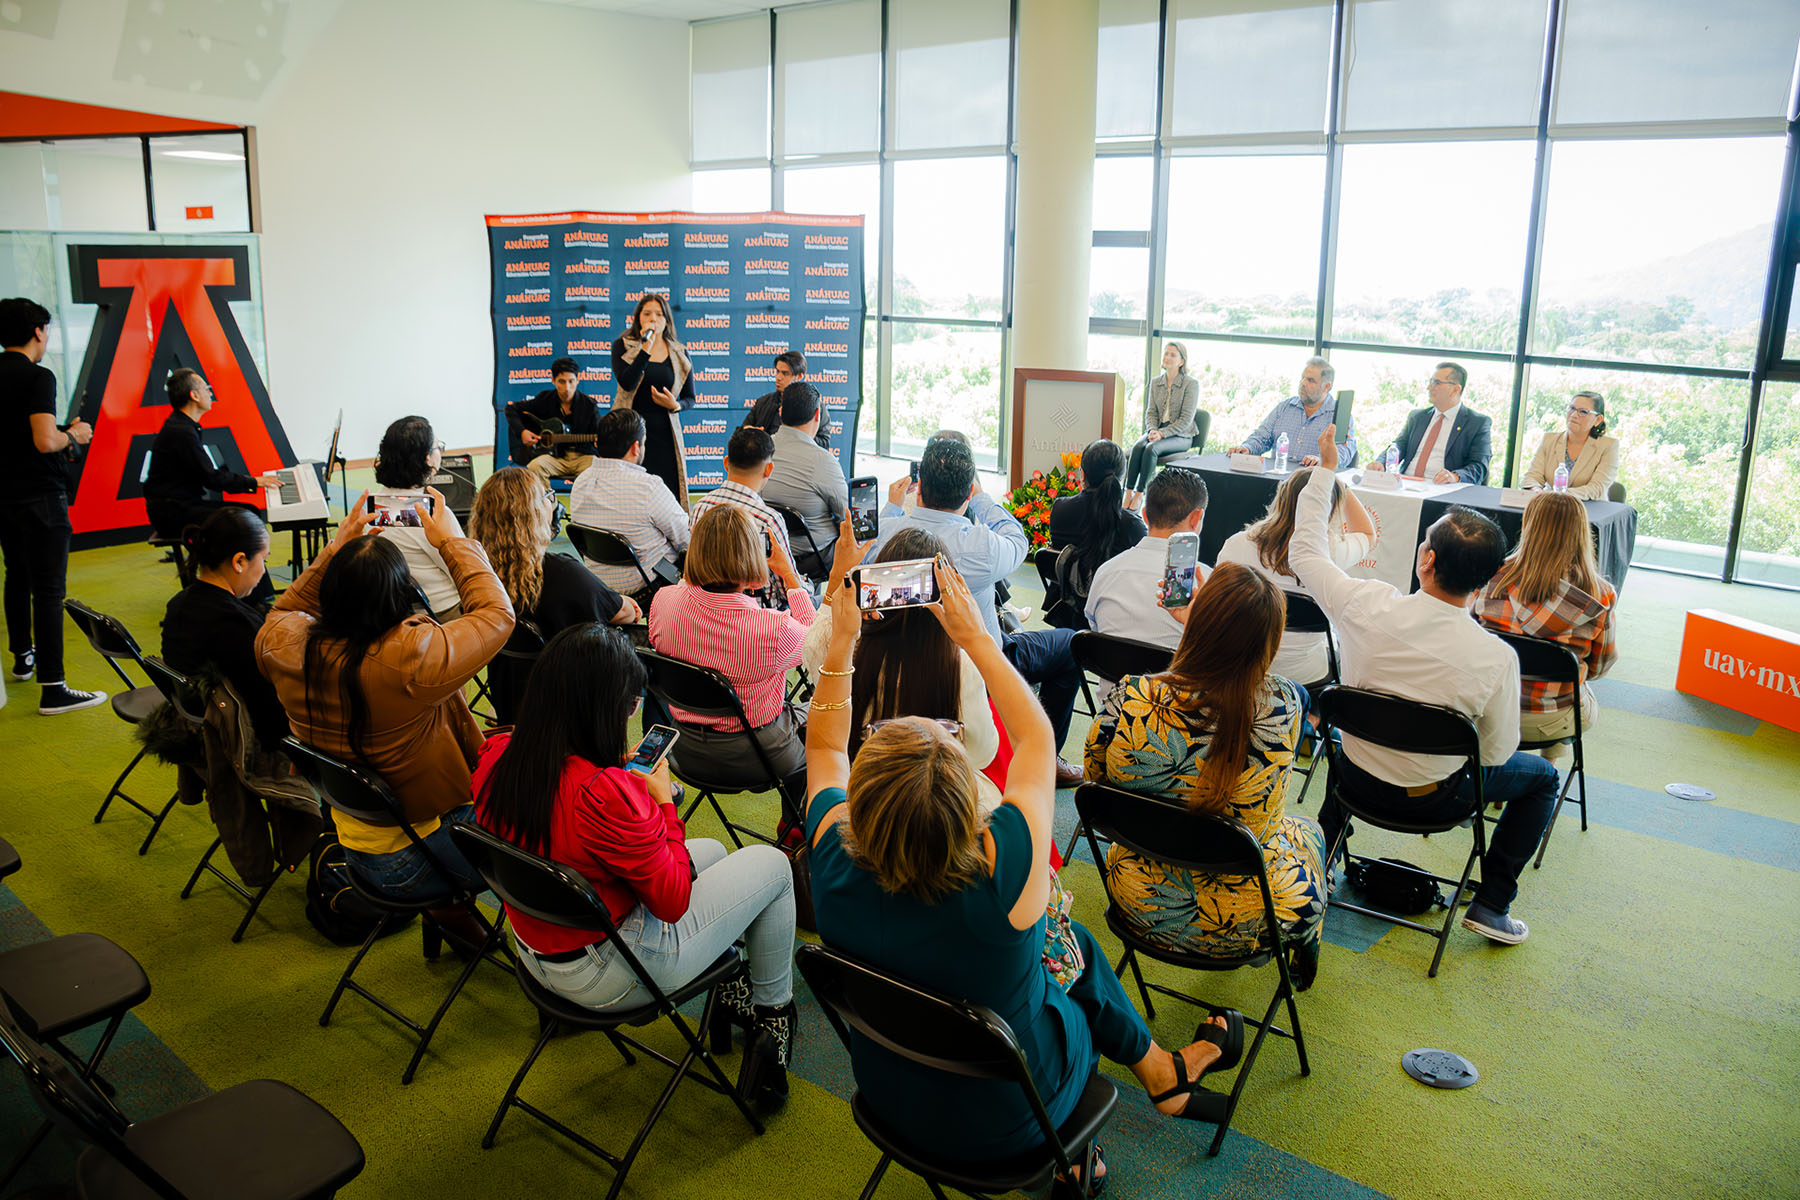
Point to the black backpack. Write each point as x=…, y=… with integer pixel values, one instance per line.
x=1395, y=885
x=341, y=916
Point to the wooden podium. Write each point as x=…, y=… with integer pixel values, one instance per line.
x=1054, y=412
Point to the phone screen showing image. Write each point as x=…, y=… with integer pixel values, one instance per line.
x=1342, y=414
x=650, y=751
x=896, y=584
x=912, y=471
x=395, y=509
x=865, y=503
x=1180, y=569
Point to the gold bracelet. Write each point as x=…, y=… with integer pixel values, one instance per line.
x=836, y=674
x=824, y=707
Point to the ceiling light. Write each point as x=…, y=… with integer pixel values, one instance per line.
x=204, y=155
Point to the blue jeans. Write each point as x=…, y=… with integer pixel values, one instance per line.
x=748, y=894
x=406, y=874
x=1525, y=783
x=1044, y=657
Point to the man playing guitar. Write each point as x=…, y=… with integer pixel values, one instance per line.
x=554, y=430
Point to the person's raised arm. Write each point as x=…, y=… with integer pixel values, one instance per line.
x=303, y=594
x=1031, y=777
x=828, y=716
x=1309, y=547
x=628, y=369
x=1009, y=543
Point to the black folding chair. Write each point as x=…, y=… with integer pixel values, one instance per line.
x=609, y=549
x=559, y=895
x=186, y=704
x=705, y=692
x=360, y=794
x=1111, y=658
x=813, y=563
x=260, y=1138
x=63, y=985
x=1305, y=616
x=108, y=637
x=1411, y=727
x=1061, y=611
x=1205, y=845
x=511, y=668
x=964, y=1041
x=1544, y=661
x=176, y=551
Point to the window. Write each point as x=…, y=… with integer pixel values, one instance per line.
x=841, y=190
x=1439, y=64
x=96, y=184
x=1107, y=352
x=946, y=376
x=1770, y=550
x=1119, y=268
x=828, y=77
x=949, y=237
x=948, y=60
x=1243, y=243
x=1249, y=66
x=1648, y=257
x=1127, y=74
x=745, y=190
x=1431, y=243
x=1240, y=382
x=1389, y=386
x=200, y=183
x=730, y=89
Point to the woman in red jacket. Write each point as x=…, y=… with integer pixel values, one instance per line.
x=557, y=786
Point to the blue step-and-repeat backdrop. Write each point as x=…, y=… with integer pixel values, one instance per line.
x=743, y=288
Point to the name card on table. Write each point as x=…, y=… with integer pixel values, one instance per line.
x=1514, y=497
x=1386, y=481
x=1250, y=464
x=1742, y=664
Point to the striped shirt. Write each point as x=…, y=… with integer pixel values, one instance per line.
x=733, y=492
x=624, y=498
x=752, y=646
x=1571, y=618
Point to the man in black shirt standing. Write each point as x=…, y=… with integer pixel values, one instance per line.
x=180, y=472
x=34, y=506
x=564, y=402
x=765, y=414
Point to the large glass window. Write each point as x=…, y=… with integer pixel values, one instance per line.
x=1431, y=243
x=22, y=203
x=949, y=237
x=1389, y=386
x=96, y=184
x=1649, y=254
x=741, y=190
x=1249, y=66
x=838, y=191
x=1439, y=64
x=946, y=376
x=1125, y=100
x=1240, y=382
x=1770, y=550
x=1111, y=352
x=730, y=89
x=200, y=183
x=828, y=77
x=948, y=60
x=1243, y=243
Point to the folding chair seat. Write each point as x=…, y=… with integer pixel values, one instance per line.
x=177, y=553
x=9, y=858
x=1305, y=616
x=560, y=895
x=359, y=793
x=1411, y=727
x=260, y=1140
x=707, y=693
x=964, y=1041
x=1544, y=661
x=1204, y=844
x=110, y=640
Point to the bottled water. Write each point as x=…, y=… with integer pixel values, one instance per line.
x=1281, y=452
x=1393, y=459
x=1561, y=482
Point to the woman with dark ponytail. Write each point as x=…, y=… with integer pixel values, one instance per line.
x=211, y=625
x=1096, y=522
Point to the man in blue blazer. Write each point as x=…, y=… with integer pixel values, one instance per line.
x=1446, y=442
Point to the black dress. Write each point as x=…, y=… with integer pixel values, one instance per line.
x=660, y=457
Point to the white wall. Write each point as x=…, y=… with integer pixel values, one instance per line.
x=393, y=129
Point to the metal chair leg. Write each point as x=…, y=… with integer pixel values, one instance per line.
x=117, y=789
x=157, y=823
x=875, y=1178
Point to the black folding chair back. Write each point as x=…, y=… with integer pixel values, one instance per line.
x=360, y=794
x=607, y=548
x=819, y=566
x=1305, y=616
x=109, y=638
x=961, y=1039
x=300, y=1151
x=559, y=895
x=1411, y=727
x=1113, y=658
x=1205, y=845
x=1545, y=661
x=705, y=692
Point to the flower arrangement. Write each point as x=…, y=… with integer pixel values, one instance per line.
x=1031, y=500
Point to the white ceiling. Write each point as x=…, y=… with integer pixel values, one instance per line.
x=673, y=10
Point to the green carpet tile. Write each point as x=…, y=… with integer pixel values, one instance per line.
x=1640, y=1044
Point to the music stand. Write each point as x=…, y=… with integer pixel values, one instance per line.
x=337, y=462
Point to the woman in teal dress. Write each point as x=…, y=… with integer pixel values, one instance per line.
x=909, y=876
x=1218, y=732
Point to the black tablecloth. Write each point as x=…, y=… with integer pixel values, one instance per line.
x=1236, y=498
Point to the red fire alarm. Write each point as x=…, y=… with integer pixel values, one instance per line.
x=199, y=212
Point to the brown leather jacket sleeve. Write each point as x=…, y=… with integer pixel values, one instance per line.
x=445, y=657
x=303, y=594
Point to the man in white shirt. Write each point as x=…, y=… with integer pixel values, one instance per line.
x=807, y=479
x=749, y=457
x=1426, y=647
x=1122, y=599
x=1446, y=441
x=618, y=495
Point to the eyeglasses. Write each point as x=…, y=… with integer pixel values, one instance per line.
x=1586, y=411
x=1440, y=383
x=953, y=728
x=441, y=447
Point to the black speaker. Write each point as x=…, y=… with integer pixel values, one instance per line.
x=456, y=479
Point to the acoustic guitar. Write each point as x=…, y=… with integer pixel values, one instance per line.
x=553, y=438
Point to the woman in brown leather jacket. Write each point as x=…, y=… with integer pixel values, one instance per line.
x=367, y=675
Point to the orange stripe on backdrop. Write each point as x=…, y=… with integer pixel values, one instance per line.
x=23, y=116
x=1745, y=665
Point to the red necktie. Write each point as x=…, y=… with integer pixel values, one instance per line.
x=1431, y=436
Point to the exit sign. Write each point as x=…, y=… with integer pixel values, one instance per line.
x=199, y=212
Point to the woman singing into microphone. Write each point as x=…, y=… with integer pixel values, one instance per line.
x=656, y=378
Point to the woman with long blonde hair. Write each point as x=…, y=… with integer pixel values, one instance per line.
x=1217, y=731
x=1551, y=588
x=656, y=378
x=514, y=520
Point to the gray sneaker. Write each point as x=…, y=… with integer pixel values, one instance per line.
x=1494, y=926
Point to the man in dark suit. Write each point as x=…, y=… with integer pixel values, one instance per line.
x=1446, y=442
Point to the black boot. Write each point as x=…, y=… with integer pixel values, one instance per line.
x=731, y=1006
x=762, y=1080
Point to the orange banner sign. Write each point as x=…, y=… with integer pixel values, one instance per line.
x=1744, y=665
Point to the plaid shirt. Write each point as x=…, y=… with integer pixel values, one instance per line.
x=623, y=497
x=1571, y=618
x=773, y=594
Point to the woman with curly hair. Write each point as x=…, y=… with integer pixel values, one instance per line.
x=513, y=521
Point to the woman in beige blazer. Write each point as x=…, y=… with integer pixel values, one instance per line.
x=1593, y=459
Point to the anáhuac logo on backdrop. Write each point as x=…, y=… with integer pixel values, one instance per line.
x=527, y=241
x=768, y=237
x=766, y=349
x=646, y=266
x=708, y=349
x=827, y=296
x=709, y=321
x=827, y=349
x=827, y=241
x=768, y=293
x=766, y=321
x=585, y=237
x=693, y=239
x=644, y=241
x=588, y=266
x=713, y=374
x=516, y=321
x=711, y=400
x=701, y=295
x=526, y=268
x=586, y=321
x=530, y=350
x=589, y=346
x=529, y=375
x=1781, y=683
x=707, y=266
x=529, y=296
x=765, y=266
x=834, y=324
x=701, y=427
x=705, y=478
x=585, y=291
x=828, y=268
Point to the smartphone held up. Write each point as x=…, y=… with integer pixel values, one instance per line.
x=865, y=505
x=395, y=509
x=906, y=584
x=1180, y=569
